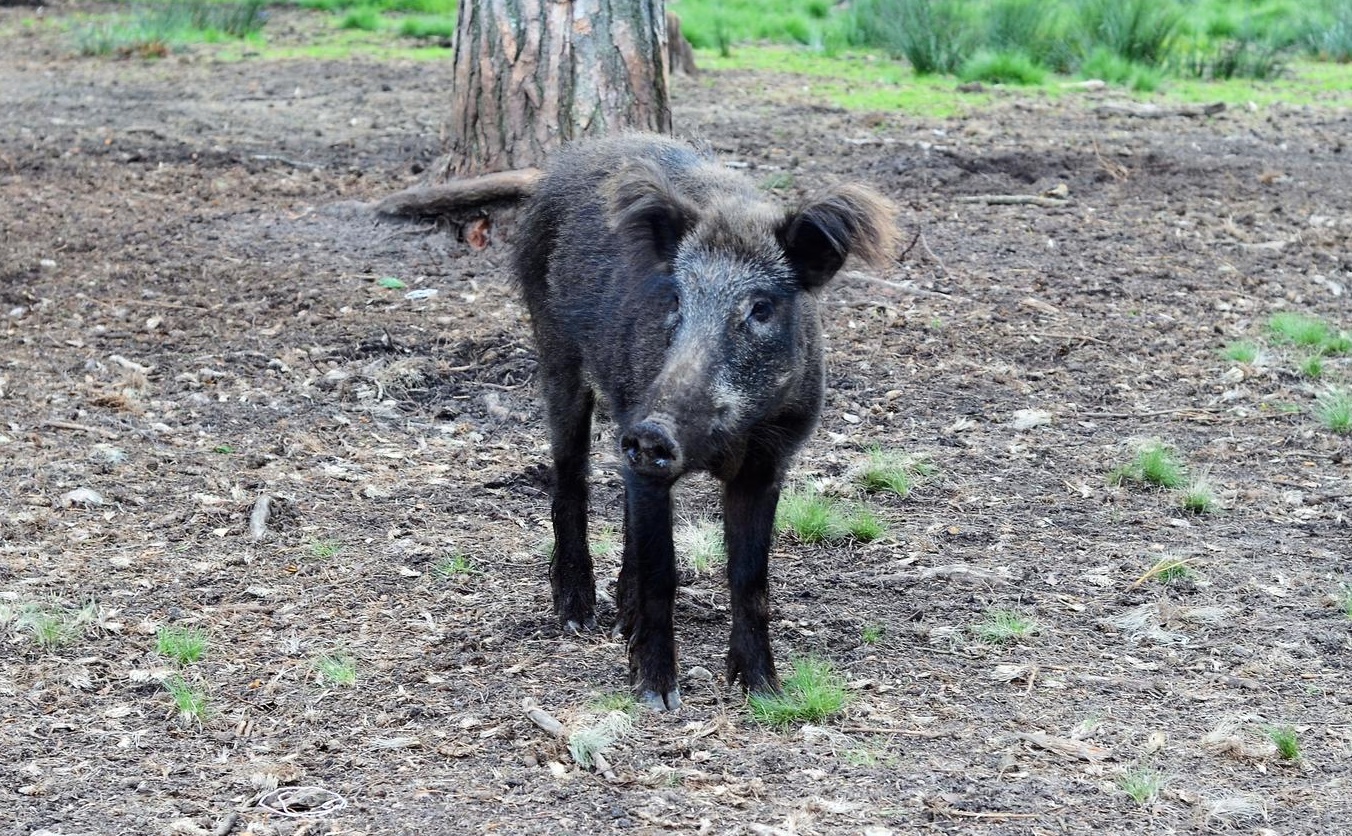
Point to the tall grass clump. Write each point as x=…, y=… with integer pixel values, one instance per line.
x=441, y=28
x=931, y=35
x=1141, y=31
x=1331, y=40
x=1106, y=65
x=1334, y=408
x=1012, y=67
x=812, y=693
x=152, y=30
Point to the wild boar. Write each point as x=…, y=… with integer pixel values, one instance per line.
x=674, y=289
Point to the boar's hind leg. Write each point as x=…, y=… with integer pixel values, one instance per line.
x=749, y=502
x=647, y=592
x=569, y=403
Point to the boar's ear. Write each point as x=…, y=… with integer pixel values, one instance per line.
x=647, y=212
x=835, y=224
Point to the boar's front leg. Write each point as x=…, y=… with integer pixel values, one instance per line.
x=569, y=403
x=749, y=502
x=647, y=591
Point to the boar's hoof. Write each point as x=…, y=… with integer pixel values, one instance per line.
x=650, y=448
x=668, y=701
x=577, y=628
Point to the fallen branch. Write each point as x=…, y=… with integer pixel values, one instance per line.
x=71, y=425
x=544, y=719
x=258, y=519
x=459, y=195
x=1014, y=200
x=1151, y=111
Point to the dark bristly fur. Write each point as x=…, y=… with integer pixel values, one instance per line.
x=675, y=290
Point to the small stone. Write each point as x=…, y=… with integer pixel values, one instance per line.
x=699, y=674
x=81, y=496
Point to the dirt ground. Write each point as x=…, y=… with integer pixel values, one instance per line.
x=193, y=318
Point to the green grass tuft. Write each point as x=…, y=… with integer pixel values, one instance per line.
x=814, y=518
x=872, y=634
x=1286, y=741
x=622, y=701
x=456, y=567
x=1004, y=627
x=887, y=471
x=1142, y=784
x=190, y=700
x=1241, y=351
x=325, y=549
x=811, y=517
x=1011, y=67
x=184, y=645
x=1198, y=495
x=153, y=30
x=1312, y=367
x=585, y=743
x=812, y=693
x=702, y=545
x=439, y=28
x=1154, y=464
x=864, y=525
x=337, y=670
x=363, y=19
x=932, y=35
x=1333, y=408
x=51, y=626
x=1298, y=328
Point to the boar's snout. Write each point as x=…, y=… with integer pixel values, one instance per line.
x=650, y=448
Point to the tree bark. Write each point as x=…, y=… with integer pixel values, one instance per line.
x=529, y=75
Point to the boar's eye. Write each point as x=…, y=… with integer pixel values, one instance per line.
x=761, y=311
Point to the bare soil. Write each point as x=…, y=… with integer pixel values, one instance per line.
x=193, y=318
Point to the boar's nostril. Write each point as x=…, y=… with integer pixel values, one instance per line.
x=649, y=448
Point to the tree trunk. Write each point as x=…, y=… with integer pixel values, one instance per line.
x=530, y=75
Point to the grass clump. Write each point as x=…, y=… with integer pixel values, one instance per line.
x=1198, y=495
x=455, y=567
x=887, y=471
x=1344, y=600
x=1154, y=464
x=336, y=670
x=184, y=645
x=1333, y=408
x=1298, y=328
x=1312, y=367
x=1008, y=67
x=1167, y=570
x=151, y=31
x=814, y=518
x=1285, y=739
x=324, y=549
x=50, y=626
x=812, y=693
x=864, y=525
x=872, y=634
x=621, y=701
x=1142, y=784
x=932, y=35
x=1106, y=65
x=1141, y=31
x=702, y=545
x=362, y=19
x=1333, y=40
x=811, y=517
x=1004, y=627
x=587, y=742
x=1241, y=351
x=428, y=28
x=190, y=700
